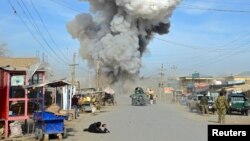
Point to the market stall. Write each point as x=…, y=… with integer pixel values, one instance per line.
x=16, y=103
x=50, y=119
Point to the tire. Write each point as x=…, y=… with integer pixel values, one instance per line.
x=246, y=112
x=137, y=103
x=242, y=112
x=39, y=134
x=64, y=134
x=191, y=109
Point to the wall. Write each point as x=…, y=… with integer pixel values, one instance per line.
x=3, y=94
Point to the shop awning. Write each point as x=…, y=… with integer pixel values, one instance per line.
x=58, y=83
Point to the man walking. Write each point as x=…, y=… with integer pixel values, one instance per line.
x=221, y=106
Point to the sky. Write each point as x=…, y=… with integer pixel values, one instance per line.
x=211, y=37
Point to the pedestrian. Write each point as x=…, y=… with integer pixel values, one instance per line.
x=204, y=104
x=96, y=128
x=151, y=96
x=74, y=104
x=221, y=105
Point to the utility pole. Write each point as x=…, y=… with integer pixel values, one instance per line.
x=38, y=55
x=89, y=79
x=73, y=70
x=43, y=58
x=173, y=68
x=161, y=81
x=173, y=82
x=97, y=73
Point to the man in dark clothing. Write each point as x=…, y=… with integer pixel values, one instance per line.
x=74, y=104
x=96, y=128
x=204, y=104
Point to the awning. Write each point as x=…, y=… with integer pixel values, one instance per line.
x=58, y=83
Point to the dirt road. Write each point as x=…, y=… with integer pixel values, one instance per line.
x=159, y=122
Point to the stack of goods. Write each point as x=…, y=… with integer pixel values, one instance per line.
x=84, y=100
x=15, y=129
x=54, y=108
x=1, y=130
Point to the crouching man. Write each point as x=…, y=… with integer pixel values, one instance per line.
x=97, y=127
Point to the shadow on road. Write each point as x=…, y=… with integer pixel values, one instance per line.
x=212, y=121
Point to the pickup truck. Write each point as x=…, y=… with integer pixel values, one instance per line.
x=194, y=103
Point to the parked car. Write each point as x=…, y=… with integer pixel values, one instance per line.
x=238, y=103
x=194, y=103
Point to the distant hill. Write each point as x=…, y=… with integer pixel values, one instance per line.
x=245, y=73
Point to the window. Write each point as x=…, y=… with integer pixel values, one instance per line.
x=17, y=92
x=37, y=78
x=237, y=98
x=17, y=108
x=35, y=93
x=17, y=80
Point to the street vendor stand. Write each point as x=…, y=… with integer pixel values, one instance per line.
x=50, y=122
x=16, y=104
x=89, y=98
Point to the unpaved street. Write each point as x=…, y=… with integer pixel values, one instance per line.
x=159, y=122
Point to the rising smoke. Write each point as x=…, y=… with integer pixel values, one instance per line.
x=117, y=32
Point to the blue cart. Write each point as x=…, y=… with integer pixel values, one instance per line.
x=48, y=123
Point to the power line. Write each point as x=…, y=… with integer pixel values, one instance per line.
x=40, y=33
x=228, y=2
x=219, y=59
x=29, y=30
x=44, y=25
x=33, y=22
x=212, y=9
x=66, y=6
x=27, y=27
x=176, y=43
x=210, y=61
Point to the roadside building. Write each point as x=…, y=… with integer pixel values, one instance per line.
x=16, y=102
x=195, y=83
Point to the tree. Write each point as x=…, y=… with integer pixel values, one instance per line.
x=2, y=50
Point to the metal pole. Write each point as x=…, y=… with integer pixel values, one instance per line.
x=73, y=70
x=97, y=73
x=161, y=82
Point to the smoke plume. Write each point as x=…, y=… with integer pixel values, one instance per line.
x=117, y=32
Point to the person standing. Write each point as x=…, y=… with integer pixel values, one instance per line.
x=221, y=105
x=204, y=104
x=74, y=104
x=151, y=96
